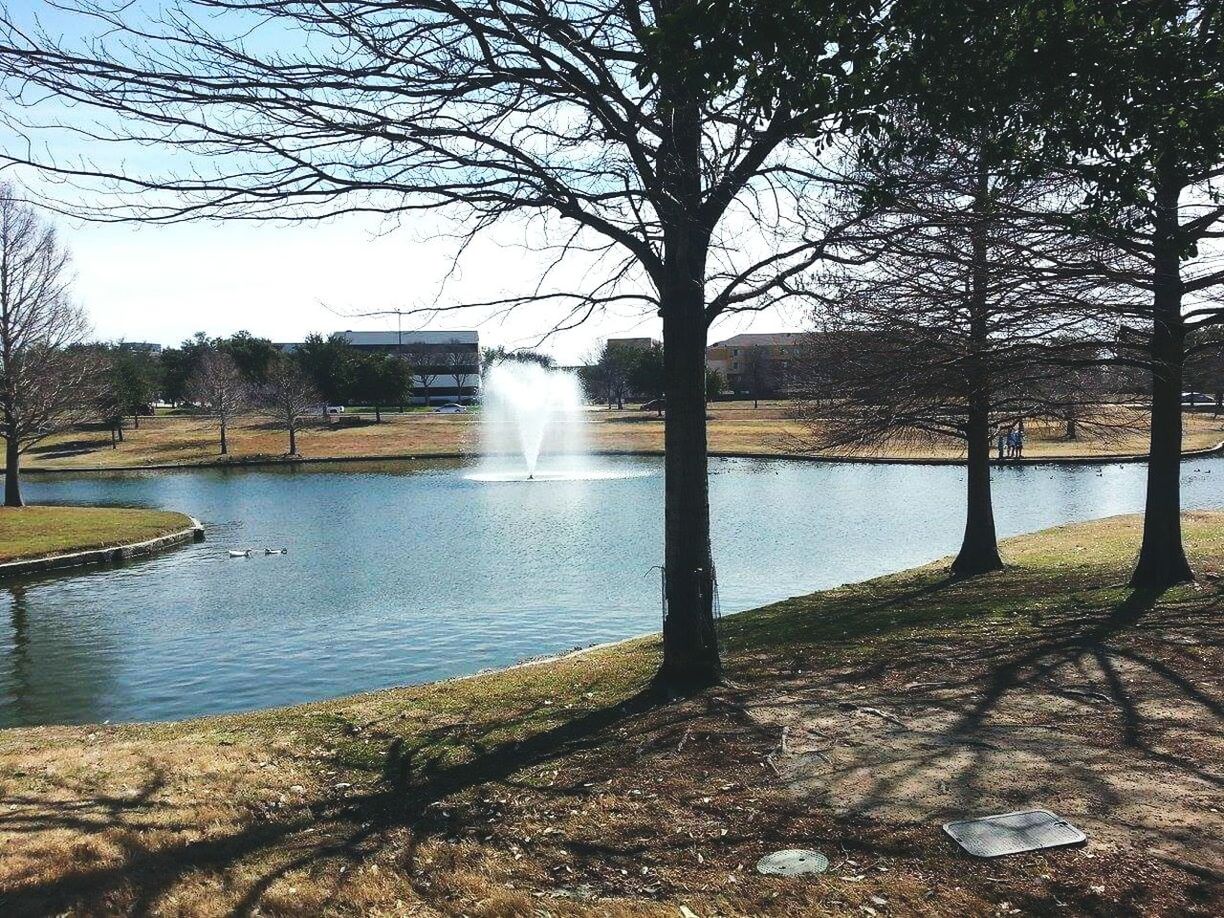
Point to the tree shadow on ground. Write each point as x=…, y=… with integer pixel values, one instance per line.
x=1101, y=714
x=353, y=828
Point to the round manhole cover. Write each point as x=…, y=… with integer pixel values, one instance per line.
x=793, y=862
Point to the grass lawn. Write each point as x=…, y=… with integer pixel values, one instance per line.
x=734, y=428
x=853, y=721
x=32, y=532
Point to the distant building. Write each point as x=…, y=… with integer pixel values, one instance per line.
x=144, y=347
x=760, y=362
x=632, y=343
x=446, y=364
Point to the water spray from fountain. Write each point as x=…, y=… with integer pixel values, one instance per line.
x=533, y=424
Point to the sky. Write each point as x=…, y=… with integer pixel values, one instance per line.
x=163, y=283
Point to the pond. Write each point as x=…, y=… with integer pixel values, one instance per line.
x=411, y=571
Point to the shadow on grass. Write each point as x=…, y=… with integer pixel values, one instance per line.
x=415, y=778
x=65, y=448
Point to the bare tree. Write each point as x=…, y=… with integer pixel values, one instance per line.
x=952, y=329
x=427, y=368
x=289, y=397
x=758, y=372
x=614, y=363
x=46, y=376
x=678, y=147
x=460, y=364
x=218, y=386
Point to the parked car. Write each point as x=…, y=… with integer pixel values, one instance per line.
x=451, y=408
x=1192, y=399
x=335, y=409
x=655, y=404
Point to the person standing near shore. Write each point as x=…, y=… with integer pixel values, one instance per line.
x=1002, y=440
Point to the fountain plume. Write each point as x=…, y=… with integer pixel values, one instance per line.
x=533, y=423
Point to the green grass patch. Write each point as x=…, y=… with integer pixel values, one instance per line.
x=34, y=532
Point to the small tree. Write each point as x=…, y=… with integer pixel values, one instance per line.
x=758, y=372
x=253, y=356
x=715, y=385
x=459, y=364
x=178, y=364
x=217, y=385
x=425, y=367
x=331, y=364
x=289, y=397
x=134, y=379
x=383, y=379
x=46, y=378
x=613, y=363
x=646, y=372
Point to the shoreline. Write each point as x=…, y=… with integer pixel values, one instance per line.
x=531, y=662
x=112, y=554
x=271, y=461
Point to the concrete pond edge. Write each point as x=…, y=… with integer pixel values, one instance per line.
x=111, y=554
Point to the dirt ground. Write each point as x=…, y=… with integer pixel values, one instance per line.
x=853, y=721
x=734, y=428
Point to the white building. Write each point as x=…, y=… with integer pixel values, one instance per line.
x=445, y=364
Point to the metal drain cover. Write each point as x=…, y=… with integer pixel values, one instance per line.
x=793, y=862
x=1013, y=833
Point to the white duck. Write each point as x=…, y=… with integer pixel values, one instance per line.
x=276, y=551
x=245, y=553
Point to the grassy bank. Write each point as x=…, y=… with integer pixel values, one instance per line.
x=34, y=532
x=734, y=427
x=853, y=721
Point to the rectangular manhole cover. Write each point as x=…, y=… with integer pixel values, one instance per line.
x=1013, y=833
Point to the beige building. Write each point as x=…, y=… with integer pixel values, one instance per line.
x=755, y=364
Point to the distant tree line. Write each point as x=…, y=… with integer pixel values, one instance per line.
x=53, y=376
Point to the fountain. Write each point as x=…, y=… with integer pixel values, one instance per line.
x=534, y=427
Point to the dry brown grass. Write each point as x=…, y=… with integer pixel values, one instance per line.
x=559, y=789
x=734, y=428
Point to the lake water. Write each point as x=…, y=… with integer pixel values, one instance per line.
x=409, y=571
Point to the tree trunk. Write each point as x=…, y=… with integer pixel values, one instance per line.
x=979, y=551
x=224, y=444
x=690, y=644
x=378, y=413
x=292, y=439
x=12, y=472
x=1162, y=557
x=1072, y=429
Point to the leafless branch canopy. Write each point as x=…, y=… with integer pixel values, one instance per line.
x=962, y=312
x=46, y=375
x=305, y=110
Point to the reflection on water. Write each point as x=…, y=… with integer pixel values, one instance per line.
x=405, y=572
